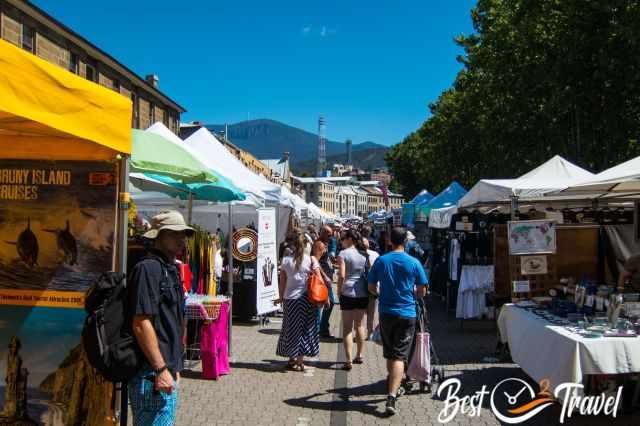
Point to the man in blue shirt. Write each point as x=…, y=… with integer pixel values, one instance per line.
x=398, y=274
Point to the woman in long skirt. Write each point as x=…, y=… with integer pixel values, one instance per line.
x=299, y=334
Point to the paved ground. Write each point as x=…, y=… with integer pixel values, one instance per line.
x=260, y=392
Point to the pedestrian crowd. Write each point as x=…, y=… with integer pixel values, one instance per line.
x=383, y=274
x=373, y=273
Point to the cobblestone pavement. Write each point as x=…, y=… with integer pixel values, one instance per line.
x=260, y=392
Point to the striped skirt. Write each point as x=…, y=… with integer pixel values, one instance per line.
x=299, y=334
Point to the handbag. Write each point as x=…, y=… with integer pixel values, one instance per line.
x=317, y=290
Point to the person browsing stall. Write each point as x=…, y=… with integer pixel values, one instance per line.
x=156, y=302
x=393, y=277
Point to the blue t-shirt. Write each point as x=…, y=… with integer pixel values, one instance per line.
x=397, y=274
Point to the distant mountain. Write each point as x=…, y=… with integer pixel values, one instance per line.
x=367, y=159
x=270, y=139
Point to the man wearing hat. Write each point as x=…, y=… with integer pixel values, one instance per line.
x=156, y=304
x=412, y=248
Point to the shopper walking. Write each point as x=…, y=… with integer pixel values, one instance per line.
x=299, y=333
x=156, y=302
x=326, y=266
x=373, y=299
x=397, y=274
x=354, y=297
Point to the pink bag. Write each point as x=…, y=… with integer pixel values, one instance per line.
x=420, y=364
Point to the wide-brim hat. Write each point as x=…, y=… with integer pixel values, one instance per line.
x=170, y=220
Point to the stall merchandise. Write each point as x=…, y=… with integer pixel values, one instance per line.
x=476, y=282
x=564, y=352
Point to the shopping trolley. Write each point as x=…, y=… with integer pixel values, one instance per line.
x=437, y=373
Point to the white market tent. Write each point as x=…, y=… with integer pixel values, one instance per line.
x=623, y=178
x=215, y=156
x=554, y=175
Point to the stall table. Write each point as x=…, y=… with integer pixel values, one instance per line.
x=547, y=351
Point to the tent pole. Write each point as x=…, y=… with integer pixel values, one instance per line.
x=190, y=208
x=121, y=403
x=230, y=276
x=514, y=207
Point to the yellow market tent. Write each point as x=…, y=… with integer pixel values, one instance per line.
x=46, y=112
x=49, y=114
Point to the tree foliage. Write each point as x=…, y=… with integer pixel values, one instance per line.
x=539, y=78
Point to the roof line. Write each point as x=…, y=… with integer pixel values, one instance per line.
x=80, y=40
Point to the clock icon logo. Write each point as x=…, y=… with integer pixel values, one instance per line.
x=514, y=401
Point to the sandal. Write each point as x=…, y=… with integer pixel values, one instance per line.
x=358, y=360
x=347, y=366
x=291, y=366
x=300, y=367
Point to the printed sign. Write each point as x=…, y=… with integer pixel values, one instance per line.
x=533, y=265
x=267, y=268
x=521, y=287
x=57, y=230
x=532, y=237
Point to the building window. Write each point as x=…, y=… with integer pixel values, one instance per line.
x=74, y=63
x=91, y=73
x=136, y=111
x=152, y=109
x=27, y=38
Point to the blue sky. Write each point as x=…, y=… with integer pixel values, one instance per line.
x=370, y=67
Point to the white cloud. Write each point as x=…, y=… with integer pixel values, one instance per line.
x=322, y=31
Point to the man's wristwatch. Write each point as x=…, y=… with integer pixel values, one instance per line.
x=161, y=369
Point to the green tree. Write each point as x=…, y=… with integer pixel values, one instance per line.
x=539, y=78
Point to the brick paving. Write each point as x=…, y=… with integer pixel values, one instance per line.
x=260, y=392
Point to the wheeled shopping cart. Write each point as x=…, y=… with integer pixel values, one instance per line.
x=437, y=374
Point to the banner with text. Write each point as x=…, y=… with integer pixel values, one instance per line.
x=57, y=232
x=267, y=266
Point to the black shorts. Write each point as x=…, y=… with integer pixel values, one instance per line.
x=397, y=336
x=351, y=303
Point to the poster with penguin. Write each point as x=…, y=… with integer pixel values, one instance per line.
x=57, y=231
x=57, y=226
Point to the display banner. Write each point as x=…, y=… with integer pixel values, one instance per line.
x=267, y=274
x=441, y=218
x=532, y=237
x=57, y=231
x=408, y=210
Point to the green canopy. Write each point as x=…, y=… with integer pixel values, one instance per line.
x=156, y=155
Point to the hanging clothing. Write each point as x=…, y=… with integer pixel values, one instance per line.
x=475, y=282
x=214, y=346
x=454, y=259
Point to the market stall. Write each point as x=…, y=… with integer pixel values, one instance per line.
x=65, y=141
x=558, y=259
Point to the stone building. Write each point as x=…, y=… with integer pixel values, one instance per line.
x=30, y=28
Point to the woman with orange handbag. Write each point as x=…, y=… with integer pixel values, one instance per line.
x=299, y=333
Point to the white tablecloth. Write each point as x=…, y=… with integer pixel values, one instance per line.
x=546, y=351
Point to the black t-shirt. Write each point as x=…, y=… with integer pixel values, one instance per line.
x=156, y=291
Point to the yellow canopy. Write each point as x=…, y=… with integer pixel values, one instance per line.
x=47, y=112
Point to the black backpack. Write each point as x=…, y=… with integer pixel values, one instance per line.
x=107, y=337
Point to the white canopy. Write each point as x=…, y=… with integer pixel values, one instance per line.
x=554, y=175
x=215, y=156
x=622, y=178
